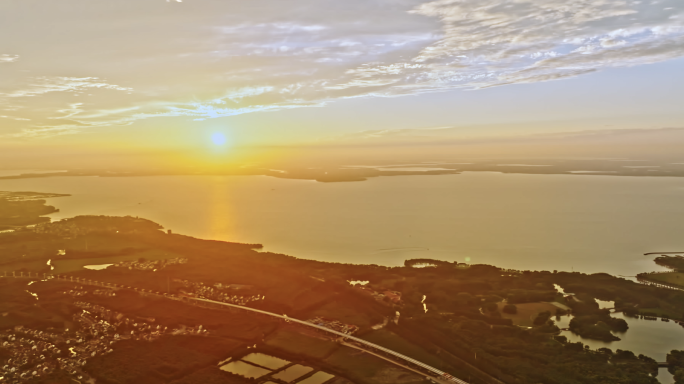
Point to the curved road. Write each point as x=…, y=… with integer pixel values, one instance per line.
x=440, y=374
x=436, y=373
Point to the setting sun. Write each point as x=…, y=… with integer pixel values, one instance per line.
x=218, y=138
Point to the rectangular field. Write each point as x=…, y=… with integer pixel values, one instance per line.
x=527, y=312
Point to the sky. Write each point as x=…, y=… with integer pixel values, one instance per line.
x=246, y=80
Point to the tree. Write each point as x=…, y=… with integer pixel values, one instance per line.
x=510, y=308
x=675, y=361
x=679, y=376
x=542, y=318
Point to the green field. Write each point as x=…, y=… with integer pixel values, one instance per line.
x=345, y=314
x=296, y=343
x=364, y=368
x=392, y=341
x=23, y=251
x=527, y=312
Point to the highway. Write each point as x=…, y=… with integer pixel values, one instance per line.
x=434, y=373
x=443, y=376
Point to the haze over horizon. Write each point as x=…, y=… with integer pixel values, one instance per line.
x=208, y=83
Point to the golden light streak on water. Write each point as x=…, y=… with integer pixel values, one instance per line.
x=222, y=224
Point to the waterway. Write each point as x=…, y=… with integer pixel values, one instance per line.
x=540, y=222
x=653, y=338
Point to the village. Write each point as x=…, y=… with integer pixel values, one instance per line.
x=150, y=265
x=35, y=353
x=219, y=292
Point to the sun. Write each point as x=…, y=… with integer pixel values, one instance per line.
x=218, y=138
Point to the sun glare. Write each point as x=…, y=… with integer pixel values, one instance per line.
x=218, y=138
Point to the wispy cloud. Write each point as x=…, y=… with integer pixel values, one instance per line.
x=14, y=118
x=224, y=59
x=43, y=85
x=491, y=42
x=5, y=58
x=48, y=117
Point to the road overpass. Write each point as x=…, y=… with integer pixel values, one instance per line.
x=412, y=364
x=431, y=371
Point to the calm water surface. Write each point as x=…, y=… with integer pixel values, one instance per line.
x=539, y=222
x=243, y=369
x=266, y=361
x=294, y=372
x=317, y=378
x=653, y=338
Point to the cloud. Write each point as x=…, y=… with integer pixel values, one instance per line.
x=492, y=42
x=49, y=131
x=222, y=58
x=43, y=112
x=14, y=118
x=5, y=58
x=43, y=85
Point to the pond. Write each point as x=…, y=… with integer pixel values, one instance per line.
x=317, y=378
x=292, y=373
x=245, y=370
x=266, y=361
x=97, y=267
x=653, y=338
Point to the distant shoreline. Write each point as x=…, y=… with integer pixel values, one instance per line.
x=347, y=173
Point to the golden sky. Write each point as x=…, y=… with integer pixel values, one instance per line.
x=213, y=78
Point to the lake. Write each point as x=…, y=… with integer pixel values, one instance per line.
x=585, y=223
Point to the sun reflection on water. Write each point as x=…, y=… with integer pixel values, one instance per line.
x=221, y=224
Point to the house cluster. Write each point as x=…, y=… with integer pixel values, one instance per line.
x=99, y=322
x=62, y=229
x=104, y=292
x=29, y=357
x=76, y=292
x=335, y=325
x=218, y=292
x=183, y=330
x=385, y=296
x=150, y=265
x=34, y=353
